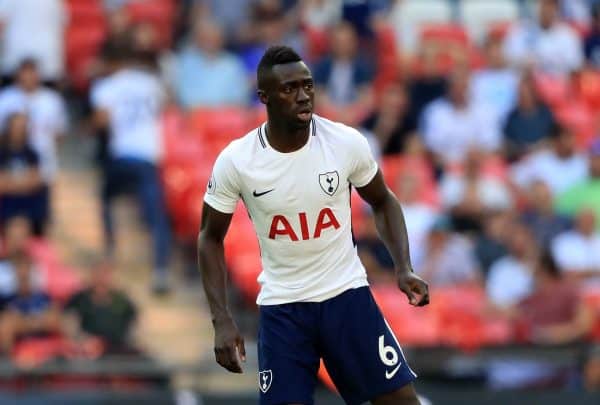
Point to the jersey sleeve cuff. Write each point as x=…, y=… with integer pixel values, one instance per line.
x=363, y=181
x=219, y=206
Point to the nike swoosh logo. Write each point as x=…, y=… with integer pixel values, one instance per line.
x=255, y=194
x=389, y=375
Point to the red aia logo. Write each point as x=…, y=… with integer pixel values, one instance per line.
x=281, y=226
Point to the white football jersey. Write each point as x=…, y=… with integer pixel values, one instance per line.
x=299, y=203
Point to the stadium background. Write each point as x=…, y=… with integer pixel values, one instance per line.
x=483, y=114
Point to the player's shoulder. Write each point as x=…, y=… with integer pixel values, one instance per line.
x=242, y=149
x=337, y=133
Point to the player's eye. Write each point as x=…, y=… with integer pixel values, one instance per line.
x=287, y=89
x=309, y=86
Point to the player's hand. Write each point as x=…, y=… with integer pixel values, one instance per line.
x=229, y=345
x=415, y=288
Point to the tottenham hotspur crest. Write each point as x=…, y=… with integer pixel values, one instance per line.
x=329, y=182
x=265, y=378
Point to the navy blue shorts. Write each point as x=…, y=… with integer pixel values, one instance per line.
x=348, y=332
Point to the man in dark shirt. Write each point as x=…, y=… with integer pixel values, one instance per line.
x=103, y=311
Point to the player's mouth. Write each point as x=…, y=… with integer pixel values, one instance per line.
x=305, y=114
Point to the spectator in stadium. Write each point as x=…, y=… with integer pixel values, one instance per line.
x=470, y=194
x=491, y=243
x=320, y=14
x=392, y=121
x=495, y=86
x=45, y=110
x=540, y=216
x=510, y=278
x=21, y=18
x=547, y=45
x=591, y=46
x=22, y=188
x=587, y=192
x=426, y=87
x=374, y=255
x=30, y=311
x=102, y=310
x=129, y=103
x=231, y=15
x=449, y=257
x=529, y=123
x=344, y=77
x=454, y=124
x=577, y=251
x=553, y=313
x=559, y=166
x=206, y=75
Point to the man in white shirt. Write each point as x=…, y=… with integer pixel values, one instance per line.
x=560, y=166
x=548, y=44
x=33, y=29
x=45, y=109
x=294, y=174
x=129, y=104
x=454, y=124
x=510, y=278
x=577, y=252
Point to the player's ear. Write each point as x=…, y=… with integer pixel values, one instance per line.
x=262, y=96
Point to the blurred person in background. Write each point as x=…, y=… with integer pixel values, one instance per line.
x=129, y=103
x=102, y=310
x=591, y=46
x=231, y=15
x=529, y=123
x=469, y=194
x=344, y=78
x=206, y=75
x=45, y=110
x=20, y=19
x=539, y=215
x=320, y=14
x=427, y=86
x=449, y=257
x=23, y=191
x=392, y=121
x=491, y=243
x=577, y=251
x=15, y=242
x=510, y=278
x=560, y=165
x=495, y=86
x=30, y=311
x=547, y=44
x=552, y=313
x=585, y=193
x=453, y=124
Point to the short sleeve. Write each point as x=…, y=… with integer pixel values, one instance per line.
x=222, y=190
x=364, y=166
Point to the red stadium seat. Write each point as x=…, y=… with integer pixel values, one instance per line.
x=577, y=116
x=588, y=88
x=88, y=12
x=552, y=89
x=395, y=166
x=411, y=325
x=219, y=126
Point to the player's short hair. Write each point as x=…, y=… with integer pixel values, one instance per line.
x=275, y=55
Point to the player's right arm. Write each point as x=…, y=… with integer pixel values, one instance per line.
x=211, y=261
x=220, y=200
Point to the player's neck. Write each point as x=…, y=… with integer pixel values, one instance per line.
x=284, y=139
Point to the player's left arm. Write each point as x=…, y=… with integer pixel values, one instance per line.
x=391, y=227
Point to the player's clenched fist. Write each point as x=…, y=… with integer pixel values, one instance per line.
x=415, y=288
x=229, y=346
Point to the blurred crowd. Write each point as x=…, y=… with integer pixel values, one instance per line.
x=484, y=117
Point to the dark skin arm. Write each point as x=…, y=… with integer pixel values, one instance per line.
x=211, y=262
x=391, y=227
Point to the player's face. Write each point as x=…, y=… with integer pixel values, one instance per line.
x=291, y=96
